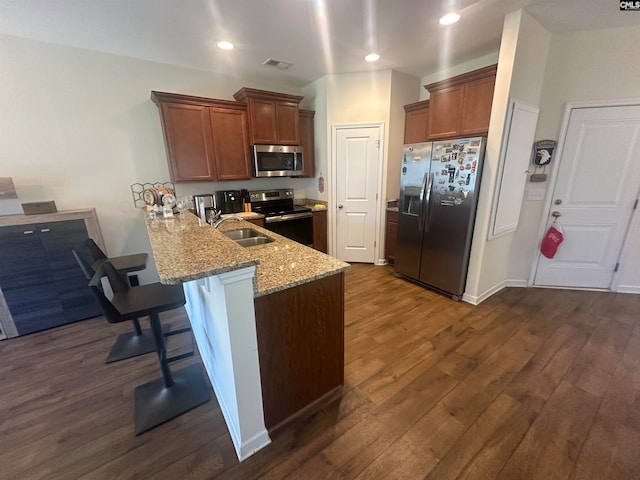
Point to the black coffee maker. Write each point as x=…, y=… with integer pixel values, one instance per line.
x=229, y=201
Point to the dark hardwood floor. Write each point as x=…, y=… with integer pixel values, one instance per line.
x=532, y=383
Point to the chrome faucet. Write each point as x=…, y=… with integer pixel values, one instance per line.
x=216, y=221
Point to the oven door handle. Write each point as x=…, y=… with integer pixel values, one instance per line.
x=290, y=216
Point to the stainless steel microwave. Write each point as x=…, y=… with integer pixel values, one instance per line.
x=277, y=161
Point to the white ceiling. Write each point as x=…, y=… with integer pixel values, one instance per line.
x=317, y=36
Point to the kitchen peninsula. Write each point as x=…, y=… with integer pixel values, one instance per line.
x=268, y=320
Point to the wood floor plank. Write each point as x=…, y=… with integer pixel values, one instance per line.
x=552, y=444
x=532, y=383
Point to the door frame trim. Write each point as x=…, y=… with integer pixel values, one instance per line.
x=544, y=220
x=332, y=220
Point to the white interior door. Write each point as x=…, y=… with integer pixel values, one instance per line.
x=597, y=186
x=357, y=177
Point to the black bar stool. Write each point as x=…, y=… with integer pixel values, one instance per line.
x=131, y=344
x=175, y=393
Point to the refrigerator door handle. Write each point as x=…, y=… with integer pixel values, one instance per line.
x=421, y=199
x=428, y=201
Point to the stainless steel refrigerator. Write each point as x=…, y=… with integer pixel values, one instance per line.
x=439, y=184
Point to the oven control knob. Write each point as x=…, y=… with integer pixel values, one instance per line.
x=340, y=206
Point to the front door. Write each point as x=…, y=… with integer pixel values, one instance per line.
x=357, y=179
x=597, y=185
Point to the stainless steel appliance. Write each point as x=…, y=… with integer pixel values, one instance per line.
x=229, y=201
x=277, y=161
x=439, y=184
x=281, y=216
x=203, y=202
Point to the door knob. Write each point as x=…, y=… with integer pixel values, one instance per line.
x=556, y=214
x=340, y=206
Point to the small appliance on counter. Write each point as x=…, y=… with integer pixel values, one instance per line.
x=202, y=202
x=229, y=201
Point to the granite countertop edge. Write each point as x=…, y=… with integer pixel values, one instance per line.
x=186, y=249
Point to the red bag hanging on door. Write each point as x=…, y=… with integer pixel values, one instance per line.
x=552, y=240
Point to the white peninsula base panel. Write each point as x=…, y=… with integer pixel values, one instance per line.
x=221, y=312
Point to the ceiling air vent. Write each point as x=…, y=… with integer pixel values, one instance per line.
x=277, y=63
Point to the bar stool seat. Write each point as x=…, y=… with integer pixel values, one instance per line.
x=140, y=340
x=160, y=400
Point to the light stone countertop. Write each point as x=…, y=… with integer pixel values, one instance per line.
x=185, y=249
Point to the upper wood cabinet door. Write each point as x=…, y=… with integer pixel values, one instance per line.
x=307, y=141
x=416, y=122
x=188, y=139
x=287, y=123
x=273, y=116
x=476, y=110
x=263, y=121
x=230, y=143
x=461, y=105
x=445, y=108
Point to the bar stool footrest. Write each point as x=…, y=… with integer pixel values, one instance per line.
x=180, y=357
x=129, y=345
x=156, y=404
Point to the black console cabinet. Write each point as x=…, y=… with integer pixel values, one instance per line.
x=41, y=282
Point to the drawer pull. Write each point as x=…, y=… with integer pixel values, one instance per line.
x=45, y=230
x=28, y=232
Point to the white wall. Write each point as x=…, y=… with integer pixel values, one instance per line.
x=582, y=66
x=78, y=127
x=521, y=65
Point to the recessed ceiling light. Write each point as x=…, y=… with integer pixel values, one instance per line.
x=372, y=57
x=224, y=45
x=449, y=18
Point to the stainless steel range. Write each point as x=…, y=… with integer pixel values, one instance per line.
x=282, y=216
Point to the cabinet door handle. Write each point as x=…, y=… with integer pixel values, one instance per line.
x=28, y=232
x=45, y=230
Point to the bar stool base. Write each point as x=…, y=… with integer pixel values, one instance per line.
x=129, y=345
x=156, y=404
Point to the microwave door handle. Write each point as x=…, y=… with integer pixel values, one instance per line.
x=428, y=202
x=421, y=202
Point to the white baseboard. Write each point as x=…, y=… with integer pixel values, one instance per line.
x=628, y=289
x=476, y=300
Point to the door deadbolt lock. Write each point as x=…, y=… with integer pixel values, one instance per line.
x=558, y=201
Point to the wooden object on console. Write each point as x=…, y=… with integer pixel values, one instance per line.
x=273, y=117
x=206, y=139
x=416, y=122
x=461, y=105
x=300, y=334
x=391, y=238
x=320, y=230
x=307, y=141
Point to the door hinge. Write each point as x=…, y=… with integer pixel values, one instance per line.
x=635, y=205
x=374, y=244
x=617, y=266
x=378, y=143
x=376, y=196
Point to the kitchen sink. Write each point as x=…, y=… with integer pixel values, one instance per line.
x=249, y=242
x=248, y=237
x=242, y=233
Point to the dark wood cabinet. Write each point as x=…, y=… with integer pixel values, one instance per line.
x=257, y=221
x=307, y=141
x=461, y=105
x=320, y=230
x=416, y=122
x=273, y=117
x=391, y=237
x=39, y=277
x=206, y=139
x=300, y=334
